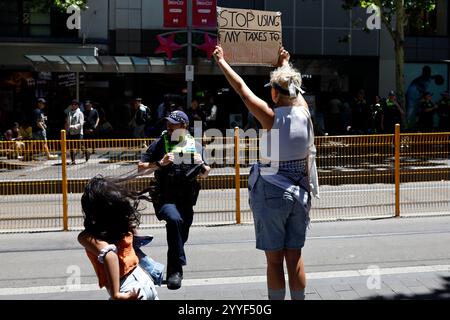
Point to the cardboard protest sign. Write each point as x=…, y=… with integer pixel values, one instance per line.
x=249, y=37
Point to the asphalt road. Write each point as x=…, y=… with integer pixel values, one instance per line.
x=224, y=264
x=38, y=212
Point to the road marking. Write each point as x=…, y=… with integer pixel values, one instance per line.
x=233, y=280
x=48, y=289
x=374, y=235
x=388, y=189
x=208, y=243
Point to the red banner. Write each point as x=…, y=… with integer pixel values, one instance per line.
x=175, y=13
x=204, y=14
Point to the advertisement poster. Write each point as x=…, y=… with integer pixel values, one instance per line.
x=204, y=14
x=175, y=13
x=420, y=78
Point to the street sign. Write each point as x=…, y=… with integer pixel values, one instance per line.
x=175, y=13
x=189, y=72
x=204, y=14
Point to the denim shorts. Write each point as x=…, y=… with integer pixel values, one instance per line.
x=139, y=279
x=280, y=219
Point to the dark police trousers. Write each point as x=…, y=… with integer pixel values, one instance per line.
x=178, y=217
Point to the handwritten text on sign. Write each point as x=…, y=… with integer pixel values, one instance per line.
x=249, y=37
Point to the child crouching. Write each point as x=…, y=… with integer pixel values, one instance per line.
x=111, y=216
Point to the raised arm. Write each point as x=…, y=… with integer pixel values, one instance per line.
x=258, y=107
x=283, y=60
x=283, y=57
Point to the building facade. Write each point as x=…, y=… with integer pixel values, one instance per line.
x=113, y=56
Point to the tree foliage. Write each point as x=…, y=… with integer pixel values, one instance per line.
x=390, y=9
x=45, y=5
x=395, y=16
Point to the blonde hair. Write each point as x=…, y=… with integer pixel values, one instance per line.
x=289, y=79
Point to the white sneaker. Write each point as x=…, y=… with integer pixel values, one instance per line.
x=52, y=157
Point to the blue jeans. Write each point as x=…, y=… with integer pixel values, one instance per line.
x=154, y=269
x=178, y=219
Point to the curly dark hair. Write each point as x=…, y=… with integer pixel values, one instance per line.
x=110, y=208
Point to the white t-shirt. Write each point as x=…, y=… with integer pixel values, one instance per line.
x=75, y=119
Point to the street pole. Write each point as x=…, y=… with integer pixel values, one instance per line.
x=397, y=145
x=189, y=51
x=77, y=93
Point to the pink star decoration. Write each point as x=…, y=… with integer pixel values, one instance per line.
x=167, y=45
x=208, y=46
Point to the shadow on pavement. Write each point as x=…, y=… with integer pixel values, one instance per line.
x=442, y=293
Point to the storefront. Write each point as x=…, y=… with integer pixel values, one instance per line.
x=112, y=82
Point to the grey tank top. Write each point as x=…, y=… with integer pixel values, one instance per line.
x=289, y=137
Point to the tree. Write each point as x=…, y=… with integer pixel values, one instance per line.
x=45, y=5
x=395, y=16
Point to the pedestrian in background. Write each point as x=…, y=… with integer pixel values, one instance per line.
x=211, y=112
x=74, y=126
x=392, y=113
x=360, y=114
x=91, y=120
x=18, y=138
x=141, y=118
x=427, y=111
x=281, y=184
x=39, y=127
x=444, y=112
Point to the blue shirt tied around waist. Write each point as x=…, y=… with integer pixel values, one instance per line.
x=290, y=176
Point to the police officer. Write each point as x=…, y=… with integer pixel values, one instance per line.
x=444, y=112
x=176, y=160
x=392, y=113
x=427, y=112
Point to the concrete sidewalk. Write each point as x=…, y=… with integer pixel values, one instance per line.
x=434, y=285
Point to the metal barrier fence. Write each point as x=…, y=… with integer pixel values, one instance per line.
x=31, y=198
x=357, y=175
x=425, y=174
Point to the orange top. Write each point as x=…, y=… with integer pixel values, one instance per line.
x=128, y=260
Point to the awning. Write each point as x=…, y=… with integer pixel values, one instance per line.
x=12, y=54
x=104, y=64
x=128, y=64
x=54, y=57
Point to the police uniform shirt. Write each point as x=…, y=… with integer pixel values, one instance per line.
x=173, y=190
x=157, y=150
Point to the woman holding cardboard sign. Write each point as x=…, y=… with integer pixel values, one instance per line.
x=280, y=184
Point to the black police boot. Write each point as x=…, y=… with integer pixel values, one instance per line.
x=174, y=279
